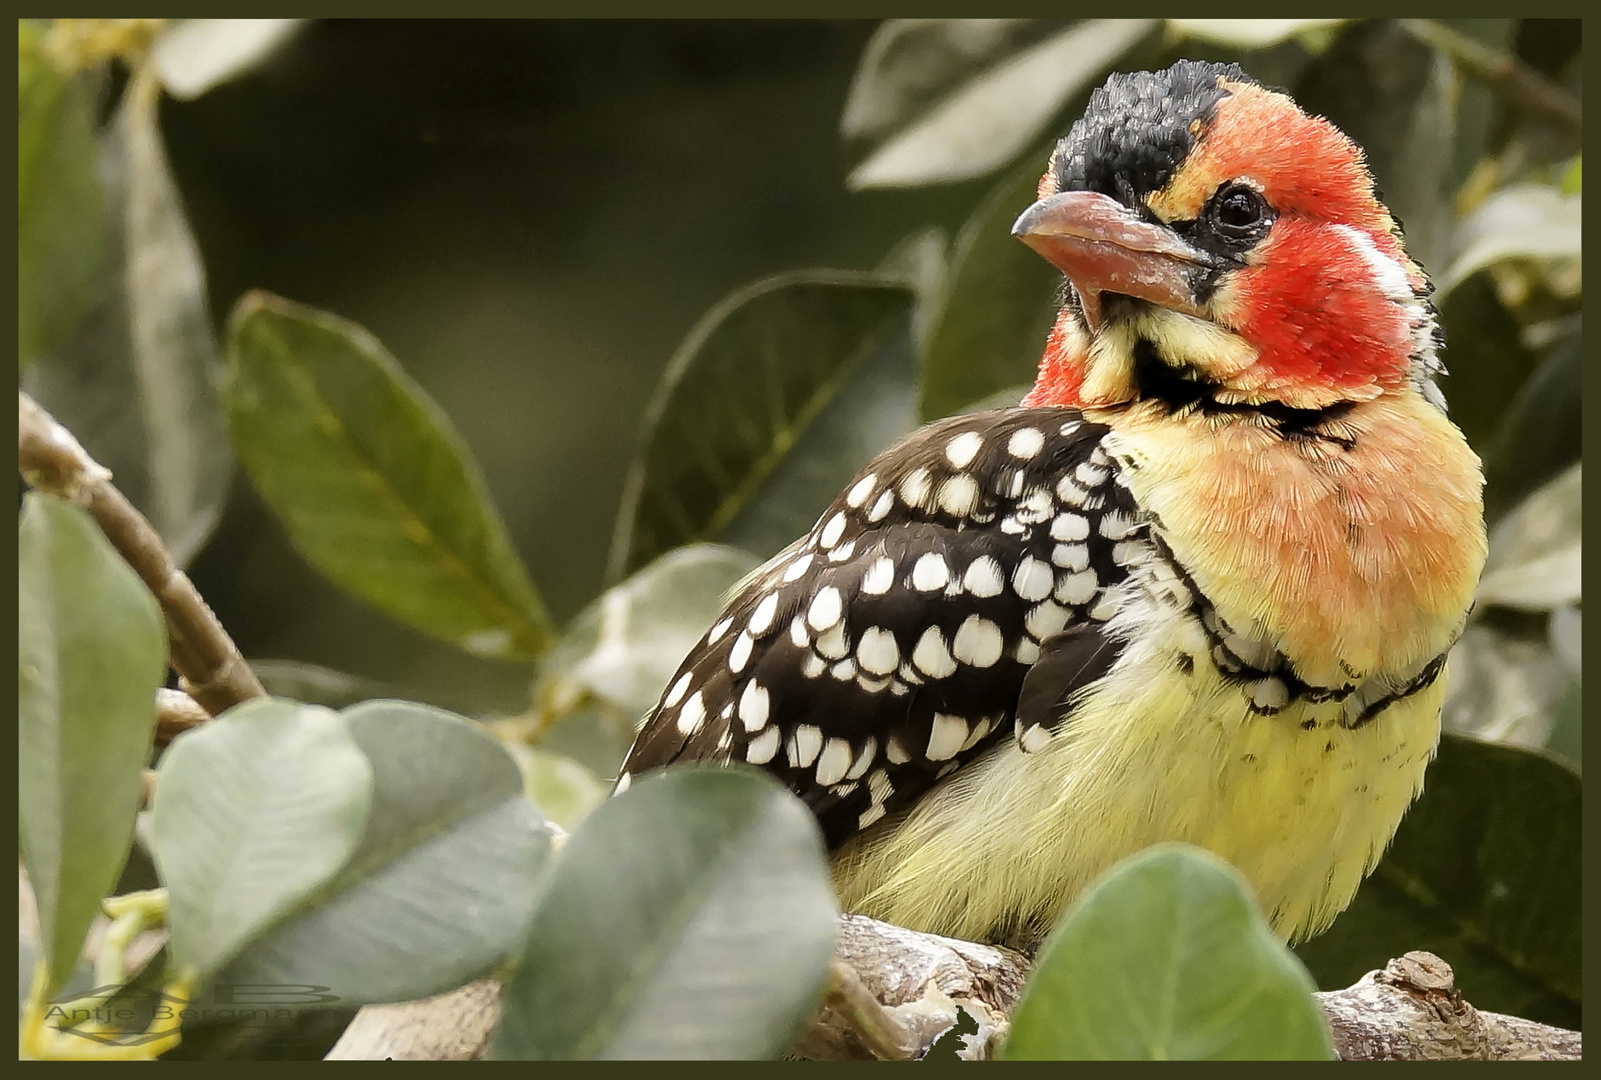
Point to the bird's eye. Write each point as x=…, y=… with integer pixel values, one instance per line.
x=1239, y=213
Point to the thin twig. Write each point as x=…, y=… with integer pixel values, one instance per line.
x=1504, y=72
x=176, y=713
x=205, y=657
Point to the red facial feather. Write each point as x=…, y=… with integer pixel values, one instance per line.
x=1061, y=371
x=1315, y=314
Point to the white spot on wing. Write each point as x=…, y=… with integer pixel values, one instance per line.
x=623, y=782
x=861, y=490
x=983, y=578
x=691, y=715
x=895, y=752
x=826, y=608
x=914, y=489
x=739, y=653
x=1077, y=588
x=833, y=761
x=946, y=736
x=958, y=496
x=961, y=450
x=832, y=531
x=763, y=747
x=1032, y=579
x=931, y=656
x=798, y=567
x=831, y=643
x=1025, y=443
x=977, y=642
x=864, y=758
x=882, y=507
x=753, y=706
x=676, y=694
x=879, y=577
x=1045, y=620
x=1034, y=739
x=1070, y=527
x=762, y=617
x=876, y=651
x=803, y=746
x=930, y=572
x=870, y=815
x=718, y=631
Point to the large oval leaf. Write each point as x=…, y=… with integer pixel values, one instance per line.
x=989, y=327
x=690, y=917
x=1484, y=872
x=1167, y=957
x=91, y=652
x=136, y=383
x=253, y=812
x=60, y=210
x=984, y=115
x=373, y=485
x=612, y=661
x=1536, y=551
x=442, y=885
x=796, y=358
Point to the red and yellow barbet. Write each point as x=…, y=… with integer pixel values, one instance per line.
x=1199, y=587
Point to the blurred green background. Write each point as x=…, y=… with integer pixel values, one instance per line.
x=530, y=216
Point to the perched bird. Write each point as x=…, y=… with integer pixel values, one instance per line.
x=1200, y=586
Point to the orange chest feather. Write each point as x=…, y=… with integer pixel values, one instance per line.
x=1356, y=554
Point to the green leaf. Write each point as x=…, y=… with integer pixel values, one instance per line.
x=1540, y=432
x=1521, y=221
x=563, y=789
x=375, y=488
x=91, y=652
x=60, y=210
x=1536, y=550
x=442, y=885
x=1484, y=872
x=254, y=811
x=1167, y=958
x=1248, y=33
x=769, y=406
x=625, y=645
x=136, y=383
x=690, y=917
x=195, y=55
x=1000, y=298
x=981, y=115
x=1505, y=686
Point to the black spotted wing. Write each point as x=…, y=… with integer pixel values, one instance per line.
x=890, y=645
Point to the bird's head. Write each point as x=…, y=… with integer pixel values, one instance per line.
x=1222, y=246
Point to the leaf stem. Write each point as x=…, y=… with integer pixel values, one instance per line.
x=213, y=671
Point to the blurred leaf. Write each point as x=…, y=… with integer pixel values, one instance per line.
x=60, y=210
x=1248, y=33
x=920, y=261
x=988, y=329
x=690, y=917
x=563, y=789
x=1488, y=360
x=983, y=118
x=92, y=650
x=624, y=647
x=254, y=812
x=1535, y=551
x=1484, y=872
x=370, y=480
x=1396, y=97
x=737, y=402
x=1566, y=629
x=1540, y=432
x=1504, y=687
x=1167, y=958
x=316, y=685
x=1521, y=221
x=443, y=883
x=137, y=381
x=1573, y=177
x=195, y=55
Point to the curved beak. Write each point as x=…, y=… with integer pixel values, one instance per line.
x=1104, y=247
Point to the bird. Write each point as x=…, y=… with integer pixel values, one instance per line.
x=1198, y=586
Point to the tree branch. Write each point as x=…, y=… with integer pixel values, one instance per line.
x=1504, y=73
x=892, y=993
x=205, y=657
